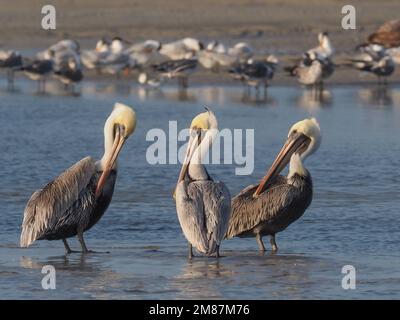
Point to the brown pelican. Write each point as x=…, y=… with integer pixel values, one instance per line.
x=73, y=202
x=271, y=206
x=203, y=205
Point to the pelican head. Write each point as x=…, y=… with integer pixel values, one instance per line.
x=119, y=126
x=201, y=125
x=304, y=138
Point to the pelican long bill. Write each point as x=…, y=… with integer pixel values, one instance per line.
x=119, y=141
x=293, y=143
x=189, y=153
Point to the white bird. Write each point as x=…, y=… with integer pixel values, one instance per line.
x=185, y=48
x=213, y=60
x=395, y=54
x=145, y=53
x=373, y=58
x=324, y=49
x=149, y=82
x=203, y=205
x=241, y=51
x=117, y=59
x=216, y=46
x=91, y=58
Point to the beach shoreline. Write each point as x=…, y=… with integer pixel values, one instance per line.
x=284, y=28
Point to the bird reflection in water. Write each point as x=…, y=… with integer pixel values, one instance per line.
x=196, y=279
x=377, y=96
x=311, y=99
x=117, y=87
x=59, y=262
x=263, y=98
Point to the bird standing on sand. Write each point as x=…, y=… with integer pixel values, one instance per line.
x=76, y=200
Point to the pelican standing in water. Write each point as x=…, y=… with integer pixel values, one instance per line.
x=73, y=202
x=271, y=206
x=203, y=205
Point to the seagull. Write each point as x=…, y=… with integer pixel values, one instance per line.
x=145, y=53
x=117, y=59
x=255, y=73
x=10, y=60
x=185, y=48
x=241, y=51
x=374, y=59
x=180, y=69
x=324, y=49
x=91, y=58
x=69, y=73
x=215, y=56
x=39, y=70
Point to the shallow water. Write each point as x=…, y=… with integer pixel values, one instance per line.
x=354, y=217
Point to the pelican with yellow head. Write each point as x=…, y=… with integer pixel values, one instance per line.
x=277, y=201
x=76, y=200
x=202, y=204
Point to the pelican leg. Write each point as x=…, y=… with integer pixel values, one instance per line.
x=190, y=251
x=273, y=243
x=67, y=247
x=260, y=242
x=217, y=252
x=82, y=242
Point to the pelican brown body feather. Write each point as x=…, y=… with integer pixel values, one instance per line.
x=66, y=204
x=282, y=203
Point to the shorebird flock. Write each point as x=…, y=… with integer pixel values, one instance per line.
x=156, y=63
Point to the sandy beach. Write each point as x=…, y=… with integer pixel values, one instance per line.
x=284, y=28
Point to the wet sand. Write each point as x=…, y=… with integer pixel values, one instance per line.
x=285, y=28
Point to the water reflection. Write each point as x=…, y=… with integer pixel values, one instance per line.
x=377, y=96
x=314, y=99
x=78, y=262
x=116, y=87
x=197, y=279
